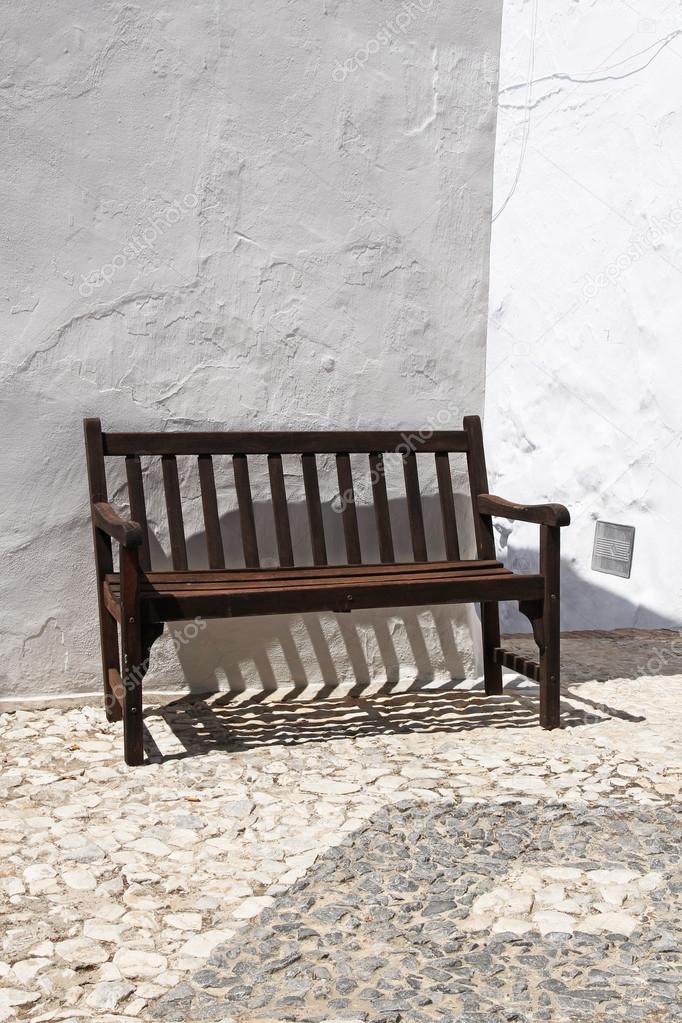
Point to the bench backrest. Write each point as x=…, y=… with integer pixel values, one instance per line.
x=307, y=445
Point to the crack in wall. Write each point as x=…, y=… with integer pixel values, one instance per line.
x=562, y=76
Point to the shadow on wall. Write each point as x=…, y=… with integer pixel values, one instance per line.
x=583, y=600
x=420, y=644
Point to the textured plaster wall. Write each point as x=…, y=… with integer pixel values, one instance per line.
x=584, y=357
x=232, y=215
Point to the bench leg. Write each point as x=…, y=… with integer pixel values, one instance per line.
x=110, y=660
x=133, y=672
x=137, y=643
x=490, y=628
x=550, y=567
x=134, y=667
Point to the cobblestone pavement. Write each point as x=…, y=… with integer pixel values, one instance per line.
x=426, y=913
x=411, y=856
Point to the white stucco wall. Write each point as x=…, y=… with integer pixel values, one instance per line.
x=232, y=215
x=584, y=357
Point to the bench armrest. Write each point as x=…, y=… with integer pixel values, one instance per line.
x=106, y=518
x=542, y=514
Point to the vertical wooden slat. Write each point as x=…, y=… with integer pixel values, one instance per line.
x=381, y=510
x=447, y=505
x=349, y=515
x=485, y=547
x=246, y=517
x=176, y=526
x=478, y=482
x=312, y=500
x=104, y=563
x=209, y=501
x=414, y=506
x=138, y=509
x=280, y=511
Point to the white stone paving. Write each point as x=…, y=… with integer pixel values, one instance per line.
x=116, y=882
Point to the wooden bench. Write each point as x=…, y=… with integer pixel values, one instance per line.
x=139, y=600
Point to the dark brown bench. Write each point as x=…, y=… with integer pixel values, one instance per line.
x=140, y=600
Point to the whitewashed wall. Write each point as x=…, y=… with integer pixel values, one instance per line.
x=232, y=215
x=584, y=358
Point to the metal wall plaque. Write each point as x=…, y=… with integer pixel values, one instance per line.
x=613, y=547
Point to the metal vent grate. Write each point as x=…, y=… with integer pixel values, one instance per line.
x=613, y=546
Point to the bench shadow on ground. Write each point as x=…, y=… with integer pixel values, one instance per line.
x=239, y=722
x=240, y=719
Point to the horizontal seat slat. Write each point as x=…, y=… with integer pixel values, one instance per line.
x=337, y=595
x=319, y=572
x=283, y=443
x=254, y=583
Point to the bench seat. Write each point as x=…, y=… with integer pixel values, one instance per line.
x=176, y=596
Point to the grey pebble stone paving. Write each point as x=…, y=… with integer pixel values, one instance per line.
x=377, y=930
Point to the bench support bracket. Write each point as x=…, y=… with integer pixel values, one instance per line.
x=533, y=611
